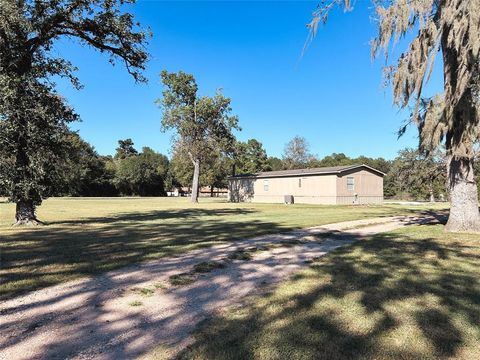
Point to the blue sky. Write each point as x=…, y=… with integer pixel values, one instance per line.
x=333, y=96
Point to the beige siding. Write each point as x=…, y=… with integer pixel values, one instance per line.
x=320, y=189
x=314, y=189
x=368, y=187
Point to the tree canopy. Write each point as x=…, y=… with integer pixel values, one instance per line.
x=251, y=157
x=125, y=149
x=203, y=124
x=142, y=174
x=296, y=154
x=417, y=176
x=85, y=173
x=33, y=116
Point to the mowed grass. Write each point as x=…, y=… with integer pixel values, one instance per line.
x=86, y=236
x=409, y=294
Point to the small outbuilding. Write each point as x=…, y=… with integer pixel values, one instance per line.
x=353, y=184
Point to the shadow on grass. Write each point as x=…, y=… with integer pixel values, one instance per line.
x=39, y=257
x=155, y=215
x=390, y=297
x=89, y=317
x=311, y=323
x=35, y=258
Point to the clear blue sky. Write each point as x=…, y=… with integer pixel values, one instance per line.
x=333, y=96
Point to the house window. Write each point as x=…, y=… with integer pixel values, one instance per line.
x=299, y=183
x=265, y=185
x=350, y=183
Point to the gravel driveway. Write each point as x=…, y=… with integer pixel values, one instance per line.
x=124, y=313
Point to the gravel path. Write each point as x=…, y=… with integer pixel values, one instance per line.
x=124, y=313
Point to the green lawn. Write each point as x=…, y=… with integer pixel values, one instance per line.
x=86, y=236
x=409, y=294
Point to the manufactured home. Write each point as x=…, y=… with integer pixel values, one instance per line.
x=353, y=184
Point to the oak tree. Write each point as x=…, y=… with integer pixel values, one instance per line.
x=450, y=28
x=33, y=116
x=203, y=124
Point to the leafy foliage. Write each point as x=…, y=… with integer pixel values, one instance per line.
x=125, y=149
x=181, y=168
x=33, y=117
x=143, y=174
x=33, y=129
x=251, y=157
x=203, y=124
x=340, y=159
x=274, y=163
x=213, y=171
x=296, y=154
x=417, y=176
x=86, y=173
x=216, y=171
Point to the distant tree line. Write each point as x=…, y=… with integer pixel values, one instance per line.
x=130, y=172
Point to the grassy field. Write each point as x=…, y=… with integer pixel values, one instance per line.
x=409, y=294
x=85, y=236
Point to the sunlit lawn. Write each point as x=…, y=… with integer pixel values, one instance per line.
x=84, y=236
x=410, y=294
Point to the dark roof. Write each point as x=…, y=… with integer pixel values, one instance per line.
x=311, y=171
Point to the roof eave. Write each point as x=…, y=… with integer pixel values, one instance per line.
x=300, y=174
x=333, y=172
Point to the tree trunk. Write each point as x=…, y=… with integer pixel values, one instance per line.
x=432, y=195
x=25, y=208
x=464, y=214
x=196, y=180
x=25, y=213
x=211, y=190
